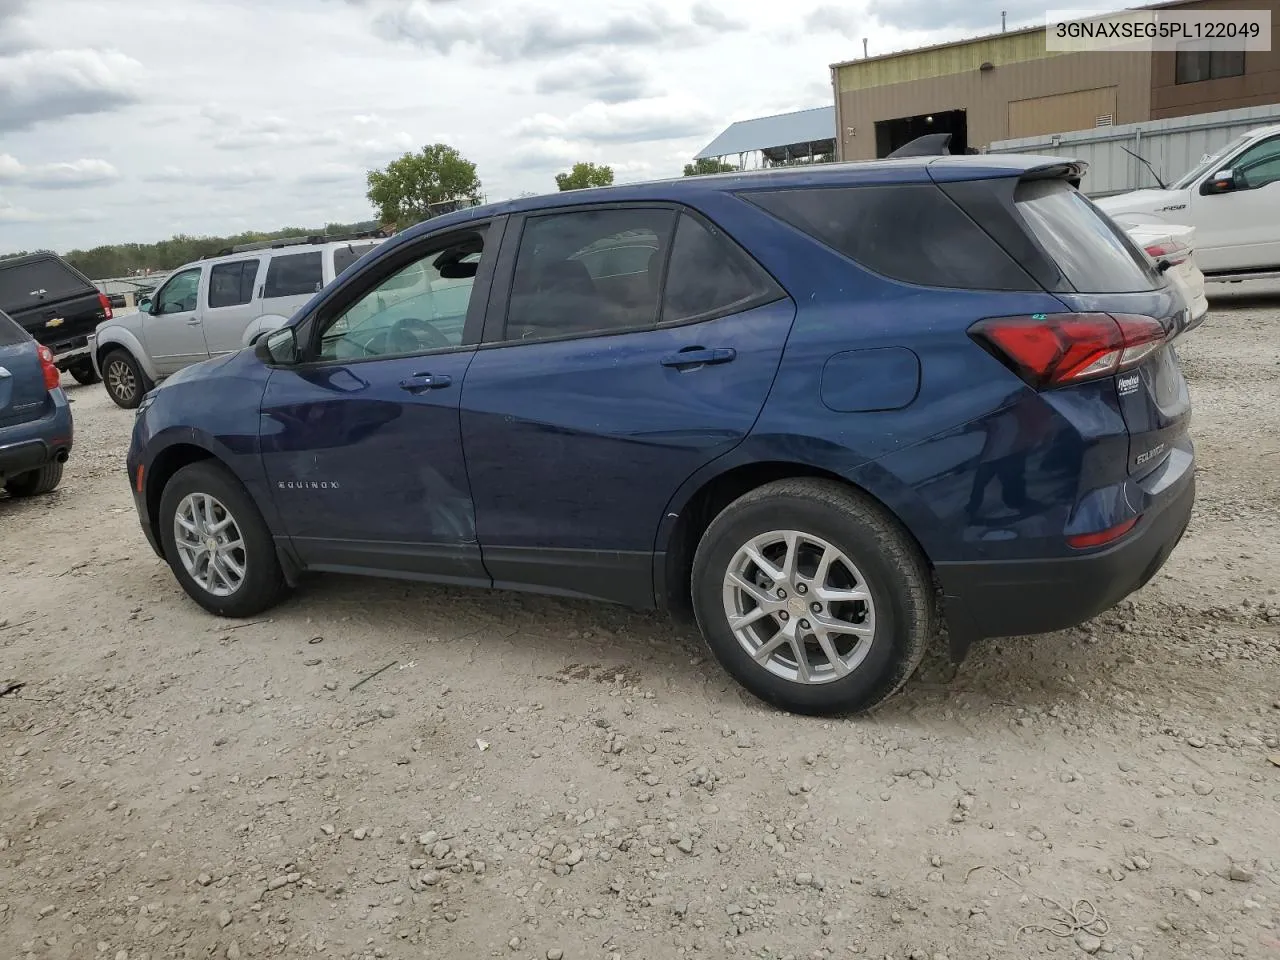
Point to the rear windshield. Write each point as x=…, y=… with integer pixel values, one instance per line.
x=40, y=281
x=1094, y=255
x=344, y=257
x=10, y=332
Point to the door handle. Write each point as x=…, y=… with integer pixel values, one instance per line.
x=193, y=321
x=425, y=381
x=698, y=357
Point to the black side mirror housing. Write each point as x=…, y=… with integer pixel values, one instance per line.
x=277, y=348
x=1224, y=181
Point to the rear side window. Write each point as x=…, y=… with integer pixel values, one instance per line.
x=231, y=284
x=294, y=275
x=40, y=281
x=1094, y=255
x=709, y=274
x=344, y=257
x=908, y=232
x=10, y=333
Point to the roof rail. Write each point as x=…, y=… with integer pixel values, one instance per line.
x=295, y=242
x=930, y=145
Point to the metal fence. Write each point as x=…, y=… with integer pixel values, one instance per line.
x=1172, y=146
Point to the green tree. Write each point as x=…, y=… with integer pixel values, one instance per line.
x=404, y=191
x=585, y=175
x=706, y=165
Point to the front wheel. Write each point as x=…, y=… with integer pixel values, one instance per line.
x=217, y=543
x=125, y=381
x=813, y=597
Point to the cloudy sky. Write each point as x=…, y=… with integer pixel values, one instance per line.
x=133, y=120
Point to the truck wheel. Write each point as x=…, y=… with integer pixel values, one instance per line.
x=813, y=597
x=125, y=381
x=83, y=371
x=217, y=543
x=33, y=483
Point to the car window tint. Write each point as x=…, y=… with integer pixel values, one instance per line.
x=45, y=280
x=294, y=275
x=591, y=271
x=422, y=306
x=1260, y=164
x=231, y=284
x=344, y=257
x=909, y=232
x=1092, y=252
x=179, y=294
x=10, y=332
x=710, y=274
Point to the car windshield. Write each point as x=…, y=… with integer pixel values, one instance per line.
x=1206, y=166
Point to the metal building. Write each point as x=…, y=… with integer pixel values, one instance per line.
x=1007, y=85
x=785, y=138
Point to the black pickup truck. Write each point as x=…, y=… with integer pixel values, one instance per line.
x=56, y=304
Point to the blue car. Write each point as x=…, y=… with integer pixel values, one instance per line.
x=821, y=410
x=35, y=417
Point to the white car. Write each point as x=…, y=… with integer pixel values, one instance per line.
x=1175, y=245
x=213, y=307
x=1232, y=199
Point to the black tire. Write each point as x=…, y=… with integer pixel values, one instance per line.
x=263, y=584
x=34, y=483
x=896, y=575
x=125, y=382
x=84, y=373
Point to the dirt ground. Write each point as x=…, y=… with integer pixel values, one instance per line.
x=537, y=778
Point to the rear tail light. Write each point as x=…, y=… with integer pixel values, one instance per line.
x=1172, y=253
x=106, y=305
x=1053, y=349
x=1082, y=541
x=52, y=377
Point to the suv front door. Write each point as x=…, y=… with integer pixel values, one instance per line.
x=626, y=347
x=360, y=440
x=230, y=303
x=174, y=330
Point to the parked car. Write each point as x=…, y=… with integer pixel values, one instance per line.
x=214, y=307
x=56, y=304
x=827, y=397
x=35, y=417
x=1172, y=247
x=1232, y=199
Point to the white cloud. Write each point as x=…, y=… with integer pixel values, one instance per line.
x=637, y=121
x=41, y=86
x=60, y=175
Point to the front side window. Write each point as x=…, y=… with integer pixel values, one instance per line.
x=179, y=294
x=421, y=307
x=1259, y=165
x=294, y=275
x=231, y=284
x=588, y=272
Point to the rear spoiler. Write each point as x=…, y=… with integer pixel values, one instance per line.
x=930, y=145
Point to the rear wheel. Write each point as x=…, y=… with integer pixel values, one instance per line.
x=83, y=371
x=33, y=483
x=217, y=543
x=125, y=381
x=813, y=597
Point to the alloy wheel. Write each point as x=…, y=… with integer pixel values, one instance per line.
x=209, y=544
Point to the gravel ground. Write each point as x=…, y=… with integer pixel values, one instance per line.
x=539, y=778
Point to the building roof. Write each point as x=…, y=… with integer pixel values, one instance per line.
x=780, y=130
x=1165, y=4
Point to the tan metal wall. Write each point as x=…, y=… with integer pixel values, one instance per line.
x=1260, y=85
x=1059, y=112
x=987, y=95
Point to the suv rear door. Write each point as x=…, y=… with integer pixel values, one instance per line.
x=626, y=346
x=231, y=303
x=291, y=280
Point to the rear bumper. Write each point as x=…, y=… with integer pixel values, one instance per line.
x=1017, y=598
x=30, y=446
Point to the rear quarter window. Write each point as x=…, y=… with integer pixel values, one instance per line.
x=1094, y=254
x=10, y=333
x=21, y=285
x=909, y=232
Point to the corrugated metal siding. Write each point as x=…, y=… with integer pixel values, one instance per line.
x=1173, y=146
x=1061, y=111
x=986, y=96
x=943, y=61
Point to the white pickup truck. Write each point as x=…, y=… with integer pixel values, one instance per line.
x=1232, y=199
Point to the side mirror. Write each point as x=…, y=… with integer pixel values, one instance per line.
x=278, y=348
x=144, y=305
x=1224, y=181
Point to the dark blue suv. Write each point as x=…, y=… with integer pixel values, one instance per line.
x=820, y=409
